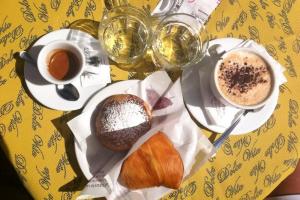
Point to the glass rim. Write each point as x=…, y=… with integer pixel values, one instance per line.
x=197, y=19
x=128, y=7
x=163, y=23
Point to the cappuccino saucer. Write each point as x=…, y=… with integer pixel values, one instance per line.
x=194, y=101
x=45, y=92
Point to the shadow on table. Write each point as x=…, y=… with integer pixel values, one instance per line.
x=60, y=123
x=19, y=72
x=86, y=25
x=10, y=184
x=79, y=182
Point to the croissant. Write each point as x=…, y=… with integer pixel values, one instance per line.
x=155, y=163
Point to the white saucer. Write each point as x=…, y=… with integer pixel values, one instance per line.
x=87, y=157
x=192, y=96
x=45, y=92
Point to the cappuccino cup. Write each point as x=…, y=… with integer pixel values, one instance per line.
x=243, y=78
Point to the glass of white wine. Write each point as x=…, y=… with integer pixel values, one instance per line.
x=125, y=33
x=180, y=40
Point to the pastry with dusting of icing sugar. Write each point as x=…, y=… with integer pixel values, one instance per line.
x=120, y=120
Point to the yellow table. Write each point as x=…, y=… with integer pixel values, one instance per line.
x=40, y=146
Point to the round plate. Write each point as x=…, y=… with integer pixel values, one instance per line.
x=87, y=159
x=44, y=91
x=192, y=96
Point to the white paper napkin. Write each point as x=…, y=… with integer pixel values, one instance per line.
x=173, y=119
x=98, y=68
x=222, y=115
x=198, y=8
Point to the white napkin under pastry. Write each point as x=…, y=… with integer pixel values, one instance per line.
x=175, y=123
x=217, y=113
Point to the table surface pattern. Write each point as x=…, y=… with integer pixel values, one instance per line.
x=40, y=146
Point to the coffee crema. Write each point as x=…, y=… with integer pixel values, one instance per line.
x=63, y=64
x=245, y=78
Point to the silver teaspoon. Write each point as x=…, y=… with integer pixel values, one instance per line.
x=67, y=91
x=218, y=143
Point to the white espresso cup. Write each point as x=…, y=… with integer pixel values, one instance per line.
x=215, y=83
x=47, y=53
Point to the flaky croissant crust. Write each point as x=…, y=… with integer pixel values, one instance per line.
x=155, y=163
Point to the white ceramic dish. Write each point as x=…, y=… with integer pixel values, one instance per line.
x=192, y=96
x=44, y=91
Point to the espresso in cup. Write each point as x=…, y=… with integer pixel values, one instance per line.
x=244, y=78
x=63, y=64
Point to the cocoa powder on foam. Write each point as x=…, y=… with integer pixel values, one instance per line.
x=245, y=78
